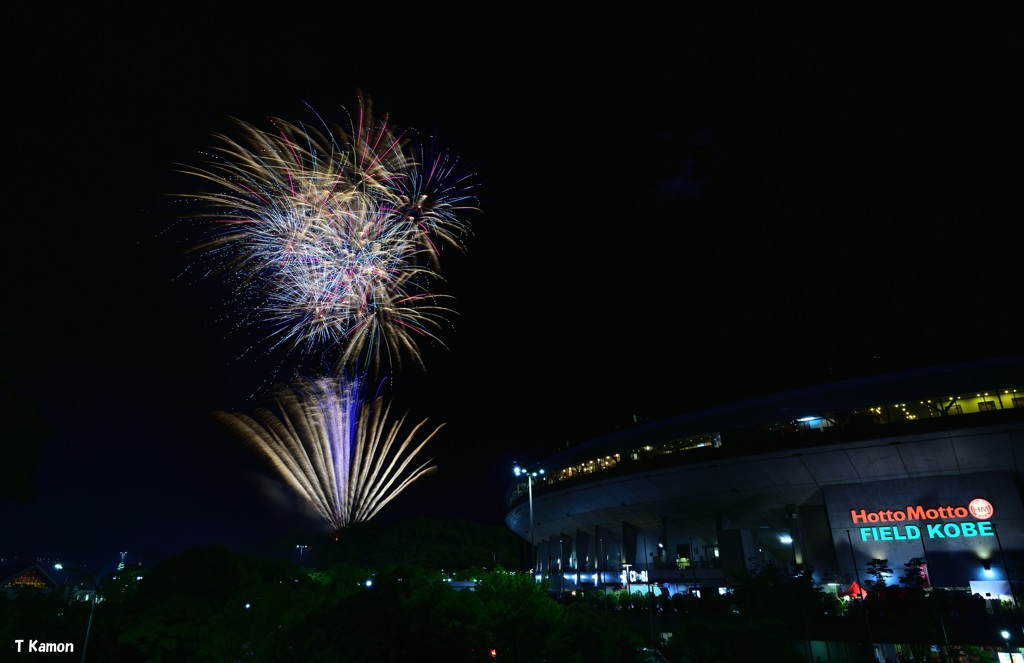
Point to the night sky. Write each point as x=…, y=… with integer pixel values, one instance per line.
x=677, y=210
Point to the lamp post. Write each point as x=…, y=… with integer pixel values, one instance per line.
x=860, y=595
x=1009, y=580
x=1006, y=640
x=695, y=590
x=94, y=585
x=300, y=548
x=600, y=571
x=519, y=471
x=561, y=571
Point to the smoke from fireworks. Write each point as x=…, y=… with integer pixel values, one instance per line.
x=331, y=238
x=345, y=457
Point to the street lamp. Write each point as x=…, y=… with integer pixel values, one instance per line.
x=300, y=548
x=520, y=471
x=1006, y=639
x=92, y=596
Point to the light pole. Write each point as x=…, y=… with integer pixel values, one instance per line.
x=519, y=471
x=600, y=571
x=92, y=609
x=1006, y=639
x=696, y=591
x=860, y=595
x=561, y=572
x=300, y=548
x=93, y=595
x=1009, y=580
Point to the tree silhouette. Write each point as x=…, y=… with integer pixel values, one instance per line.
x=913, y=573
x=879, y=572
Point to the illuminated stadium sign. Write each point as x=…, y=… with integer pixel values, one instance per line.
x=960, y=523
x=629, y=576
x=981, y=509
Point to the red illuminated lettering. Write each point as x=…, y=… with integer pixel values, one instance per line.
x=978, y=508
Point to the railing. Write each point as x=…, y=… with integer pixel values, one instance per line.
x=923, y=414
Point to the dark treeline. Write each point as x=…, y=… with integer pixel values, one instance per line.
x=389, y=593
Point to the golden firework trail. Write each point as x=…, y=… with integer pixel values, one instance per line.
x=346, y=457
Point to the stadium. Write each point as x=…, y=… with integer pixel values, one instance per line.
x=923, y=463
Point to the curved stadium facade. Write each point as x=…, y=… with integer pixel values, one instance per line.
x=917, y=464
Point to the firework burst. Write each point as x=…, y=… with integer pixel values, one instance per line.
x=345, y=457
x=331, y=238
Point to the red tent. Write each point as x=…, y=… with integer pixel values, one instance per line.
x=854, y=590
